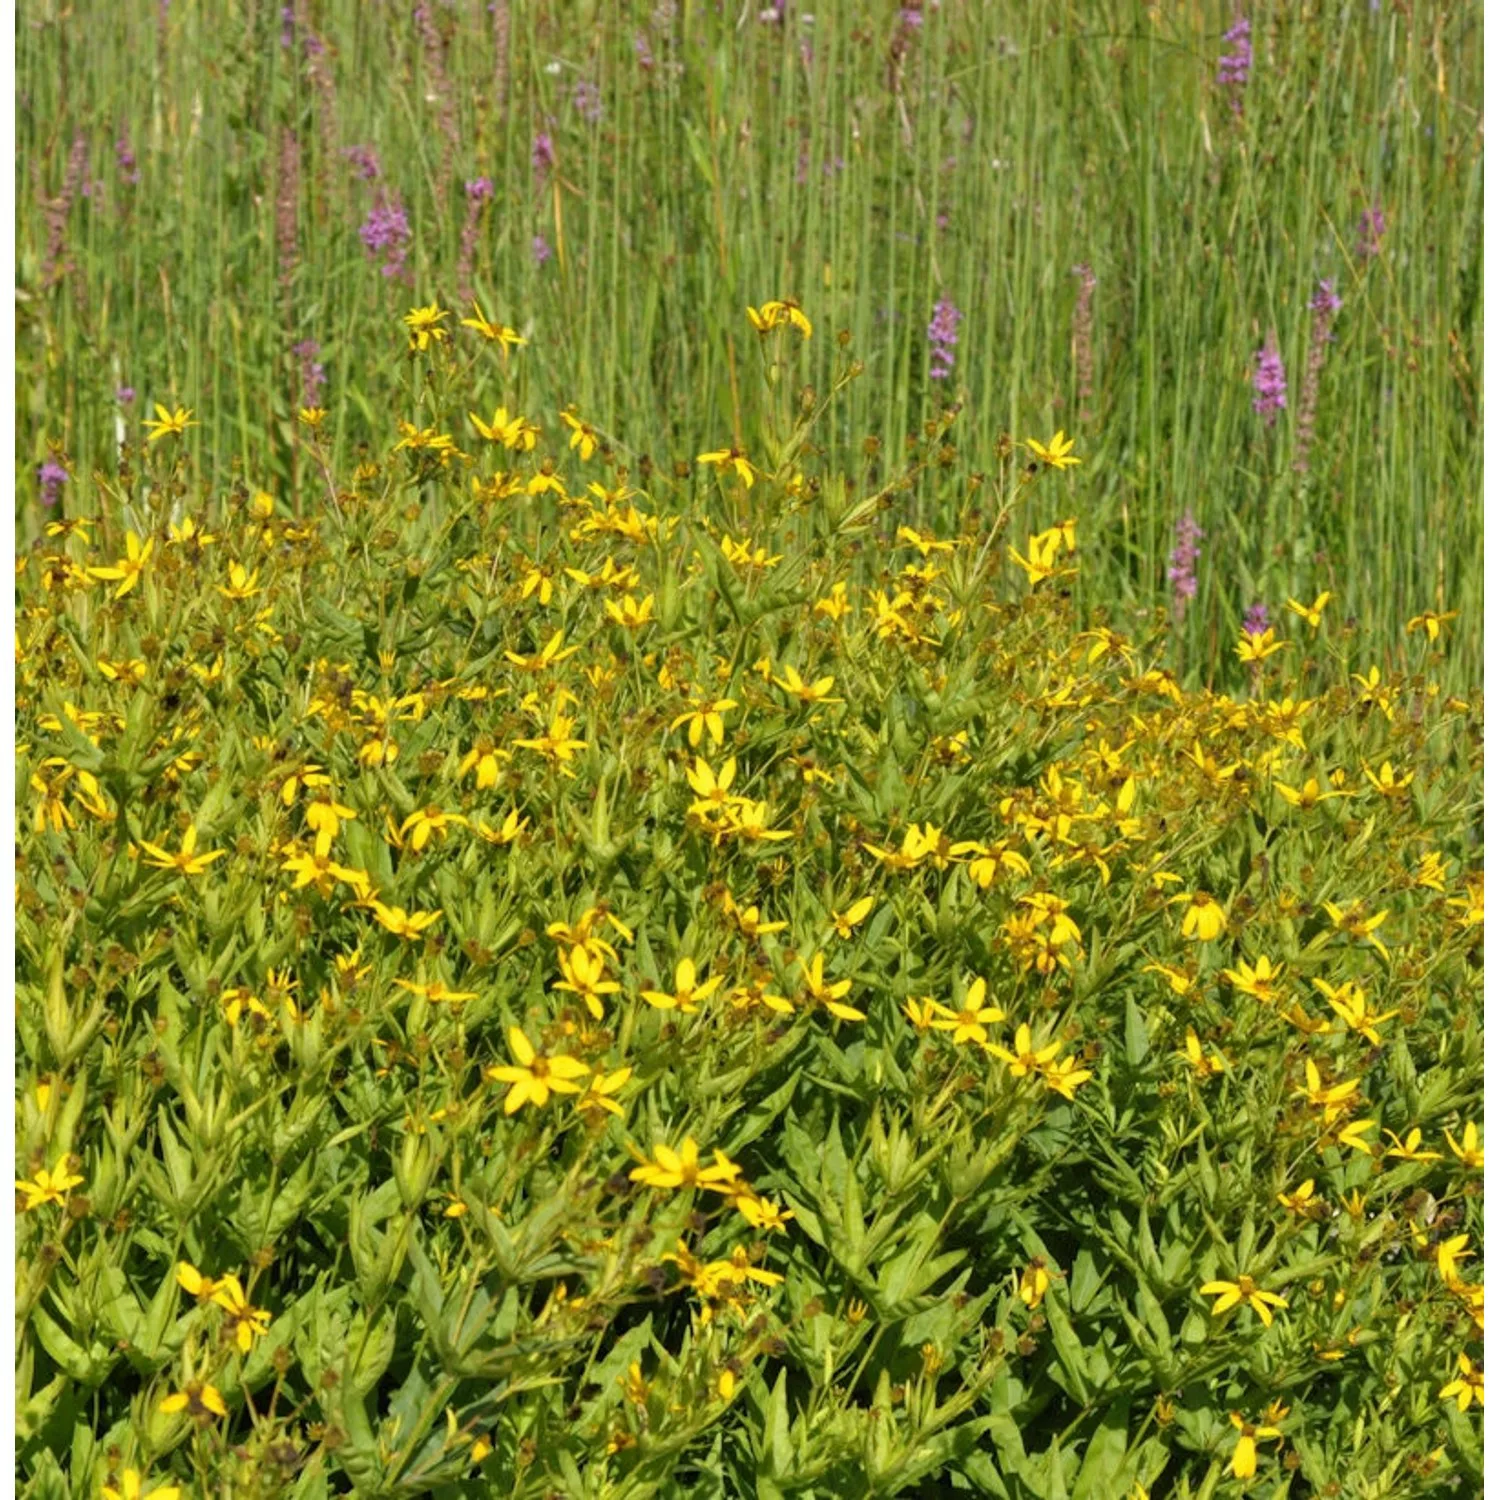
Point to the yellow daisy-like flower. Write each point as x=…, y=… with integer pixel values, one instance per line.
x=534, y=1078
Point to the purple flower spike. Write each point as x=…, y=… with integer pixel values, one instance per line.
x=1182, y=568
x=942, y=338
x=1269, y=382
x=51, y=477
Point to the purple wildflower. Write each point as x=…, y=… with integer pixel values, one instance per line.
x=57, y=209
x=51, y=477
x=911, y=17
x=942, y=338
x=773, y=15
x=365, y=162
x=288, y=25
x=386, y=230
x=1182, y=568
x=643, y=52
x=543, y=157
x=125, y=161
x=587, y=102
x=1371, y=232
x=125, y=395
x=478, y=192
x=1234, y=65
x=1269, y=382
x=1257, y=620
x=289, y=168
x=541, y=251
x=314, y=376
x=1324, y=305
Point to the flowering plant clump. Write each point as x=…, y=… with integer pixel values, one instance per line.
x=541, y=980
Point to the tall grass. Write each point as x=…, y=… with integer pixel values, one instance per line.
x=864, y=167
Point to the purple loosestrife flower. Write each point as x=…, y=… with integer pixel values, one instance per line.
x=587, y=102
x=289, y=167
x=1234, y=65
x=541, y=251
x=1324, y=305
x=942, y=338
x=130, y=174
x=1257, y=620
x=439, y=87
x=1371, y=232
x=478, y=193
x=56, y=211
x=288, y=25
x=543, y=157
x=50, y=478
x=314, y=376
x=125, y=395
x=1182, y=567
x=1269, y=382
x=365, y=162
x=386, y=231
x=643, y=52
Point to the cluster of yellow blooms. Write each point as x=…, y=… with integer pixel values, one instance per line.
x=736, y=839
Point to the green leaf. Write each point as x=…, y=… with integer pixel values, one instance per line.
x=1103, y=1475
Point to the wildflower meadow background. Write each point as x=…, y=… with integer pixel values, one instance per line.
x=748, y=750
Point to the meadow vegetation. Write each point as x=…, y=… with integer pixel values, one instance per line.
x=784, y=852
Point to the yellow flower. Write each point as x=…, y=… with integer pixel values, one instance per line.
x=1308, y=796
x=968, y=1023
x=496, y=333
x=1242, y=1464
x=1035, y=1280
x=1465, y=1387
x=48, y=1187
x=1470, y=1154
x=425, y=326
x=844, y=922
x=1259, y=982
x=1410, y=1148
x=1312, y=613
x=775, y=313
x=763, y=1213
x=1022, y=1059
x=510, y=432
x=1448, y=1255
x=557, y=744
x=1432, y=622
x=725, y=459
x=583, y=438
x=1242, y=1289
x=1055, y=452
x=198, y=1399
x=1204, y=1064
x=1357, y=926
x=126, y=570
x=1301, y=1201
x=426, y=822
x=1261, y=646
x=601, y=1087
x=185, y=862
x=168, y=423
x=681, y=1168
x=630, y=613
x=706, y=714
x=132, y=1487
x=395, y=919
x=248, y=1323
x=534, y=1078
x=436, y=990
x=831, y=995
x=688, y=991
x=805, y=692
x=1350, y=1005
x=1040, y=562
x=1204, y=918
x=583, y=975
x=241, y=583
